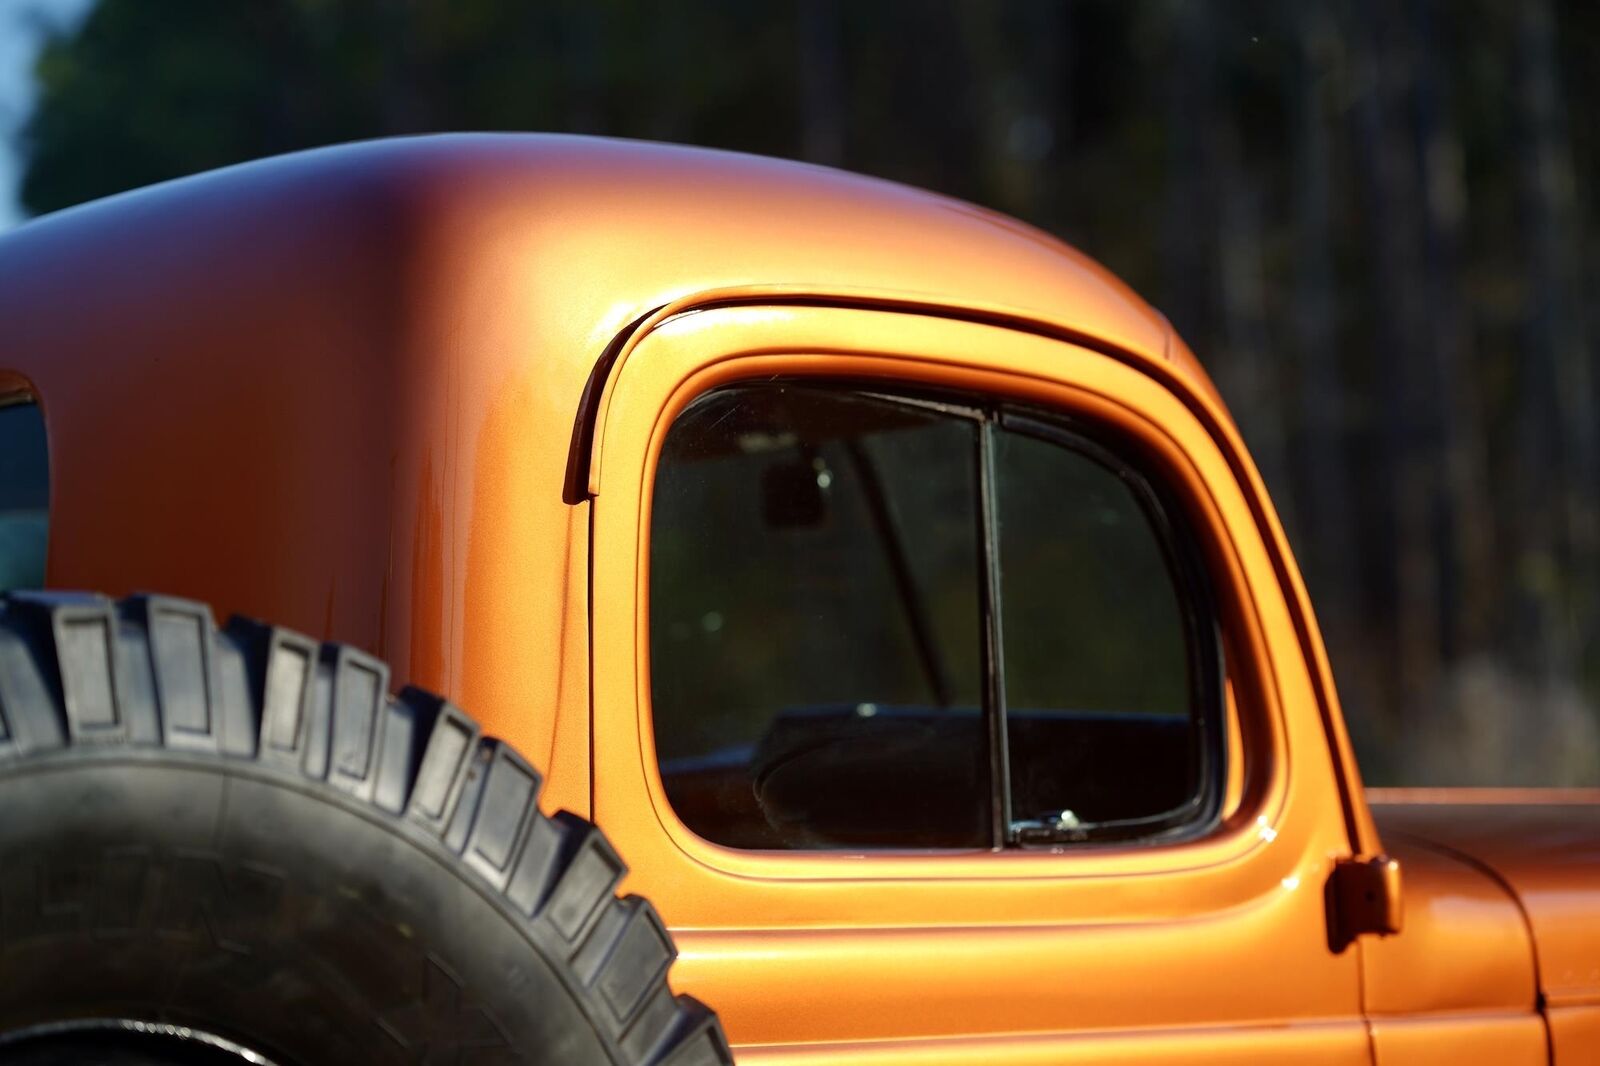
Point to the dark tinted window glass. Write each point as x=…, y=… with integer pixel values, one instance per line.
x=829, y=573
x=1097, y=671
x=24, y=496
x=815, y=624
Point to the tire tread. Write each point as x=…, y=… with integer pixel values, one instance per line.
x=69, y=662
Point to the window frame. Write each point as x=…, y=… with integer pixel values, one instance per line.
x=1186, y=570
x=1258, y=879
x=1277, y=826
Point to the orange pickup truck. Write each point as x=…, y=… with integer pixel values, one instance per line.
x=883, y=577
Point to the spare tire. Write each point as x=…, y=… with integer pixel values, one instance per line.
x=235, y=843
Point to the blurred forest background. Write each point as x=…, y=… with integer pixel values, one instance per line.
x=1375, y=222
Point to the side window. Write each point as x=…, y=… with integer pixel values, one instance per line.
x=24, y=496
x=889, y=622
x=1101, y=717
x=814, y=622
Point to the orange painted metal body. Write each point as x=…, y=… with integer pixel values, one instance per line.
x=409, y=395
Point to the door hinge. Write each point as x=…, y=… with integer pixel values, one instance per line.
x=1364, y=897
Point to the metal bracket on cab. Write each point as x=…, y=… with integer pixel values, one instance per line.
x=1364, y=897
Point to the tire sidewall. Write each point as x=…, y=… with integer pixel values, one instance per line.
x=251, y=903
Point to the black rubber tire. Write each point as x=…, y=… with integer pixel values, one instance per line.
x=240, y=831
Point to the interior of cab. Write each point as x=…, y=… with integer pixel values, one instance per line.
x=886, y=621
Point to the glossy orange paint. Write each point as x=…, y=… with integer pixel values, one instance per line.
x=1575, y=1035
x=1549, y=863
x=1460, y=975
x=340, y=390
x=1543, y=849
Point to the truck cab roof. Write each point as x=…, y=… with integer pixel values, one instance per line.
x=595, y=231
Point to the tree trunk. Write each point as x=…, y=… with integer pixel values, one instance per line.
x=822, y=124
x=1405, y=483
x=1321, y=493
x=1555, y=543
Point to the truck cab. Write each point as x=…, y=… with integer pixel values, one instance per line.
x=885, y=578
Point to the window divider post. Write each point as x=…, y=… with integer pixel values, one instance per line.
x=994, y=677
